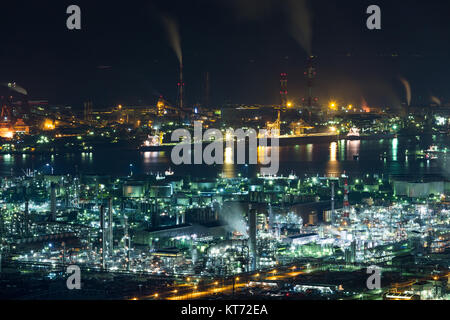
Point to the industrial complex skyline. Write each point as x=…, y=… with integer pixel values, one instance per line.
x=123, y=54
x=225, y=150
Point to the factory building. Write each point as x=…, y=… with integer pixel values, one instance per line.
x=301, y=239
x=133, y=190
x=163, y=236
x=420, y=188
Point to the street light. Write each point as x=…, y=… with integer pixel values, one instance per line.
x=51, y=167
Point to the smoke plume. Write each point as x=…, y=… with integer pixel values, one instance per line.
x=15, y=87
x=173, y=35
x=295, y=13
x=407, y=90
x=436, y=100
x=300, y=23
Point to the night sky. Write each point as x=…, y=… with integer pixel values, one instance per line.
x=122, y=54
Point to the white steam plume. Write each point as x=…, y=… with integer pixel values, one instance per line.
x=173, y=35
x=407, y=90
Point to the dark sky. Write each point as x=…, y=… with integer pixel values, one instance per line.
x=244, y=44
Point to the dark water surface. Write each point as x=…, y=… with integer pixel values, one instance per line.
x=318, y=158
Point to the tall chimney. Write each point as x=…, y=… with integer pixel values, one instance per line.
x=53, y=201
x=155, y=215
x=181, y=88
x=110, y=227
x=26, y=217
x=127, y=241
x=252, y=236
x=103, y=238
x=271, y=218
x=332, y=202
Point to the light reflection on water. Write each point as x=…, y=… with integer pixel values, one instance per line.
x=333, y=167
x=228, y=170
x=394, y=149
x=320, y=158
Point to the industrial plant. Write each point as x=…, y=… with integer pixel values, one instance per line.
x=88, y=180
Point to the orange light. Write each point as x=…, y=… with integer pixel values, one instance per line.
x=7, y=134
x=332, y=105
x=49, y=125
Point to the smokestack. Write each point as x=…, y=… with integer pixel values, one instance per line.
x=53, y=201
x=181, y=88
x=252, y=236
x=346, y=204
x=155, y=215
x=127, y=241
x=216, y=208
x=332, y=202
x=26, y=217
x=110, y=226
x=283, y=89
x=310, y=74
x=103, y=237
x=271, y=218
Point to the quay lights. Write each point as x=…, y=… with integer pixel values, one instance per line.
x=332, y=105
